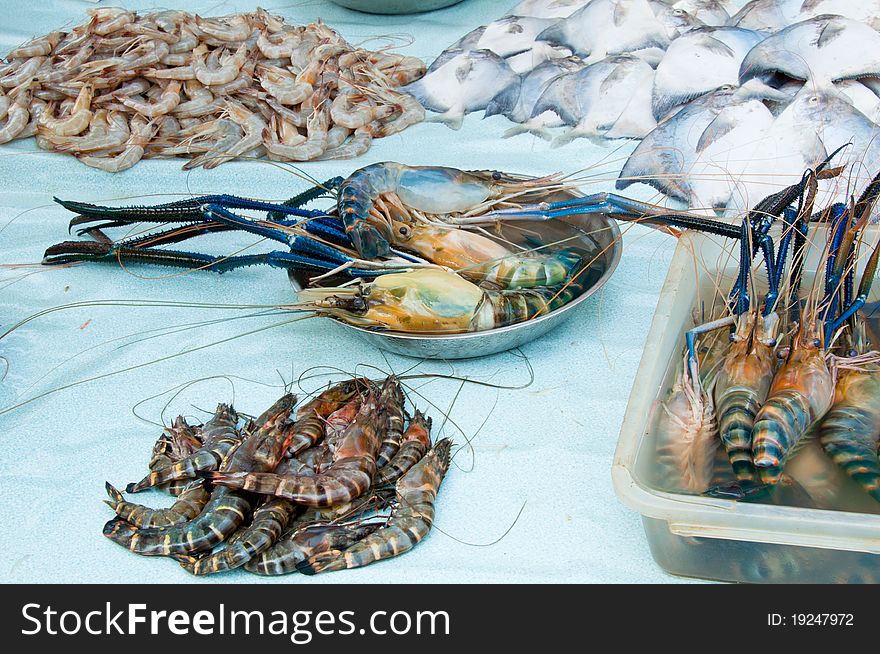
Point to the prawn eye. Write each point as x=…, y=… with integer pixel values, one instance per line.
x=816, y=342
x=496, y=175
x=403, y=230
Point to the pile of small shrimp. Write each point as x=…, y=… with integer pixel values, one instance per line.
x=124, y=86
x=341, y=481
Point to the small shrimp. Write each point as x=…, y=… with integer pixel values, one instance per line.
x=201, y=101
x=137, y=86
x=409, y=113
x=189, y=504
x=265, y=528
x=359, y=143
x=153, y=53
x=177, y=59
x=348, y=478
x=741, y=389
x=27, y=71
x=278, y=48
x=106, y=132
x=282, y=86
x=219, y=435
x=253, y=125
x=39, y=47
x=224, y=134
x=392, y=400
x=408, y=525
x=687, y=434
x=236, y=28
x=801, y=392
x=181, y=73
x=108, y=20
x=344, y=112
x=167, y=102
x=186, y=43
x=79, y=119
x=222, y=75
x=141, y=133
x=226, y=509
x=311, y=148
x=17, y=117
x=416, y=443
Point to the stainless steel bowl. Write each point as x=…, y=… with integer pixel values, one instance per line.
x=600, y=236
x=395, y=6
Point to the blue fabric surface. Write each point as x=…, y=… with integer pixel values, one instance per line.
x=542, y=453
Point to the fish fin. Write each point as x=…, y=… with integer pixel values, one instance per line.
x=554, y=34
x=638, y=168
x=505, y=100
x=662, y=105
x=469, y=41
x=443, y=57
x=622, y=68
x=827, y=34
x=540, y=132
x=452, y=118
x=620, y=13
x=715, y=46
x=721, y=125
x=566, y=137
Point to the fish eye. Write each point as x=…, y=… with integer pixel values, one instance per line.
x=814, y=99
x=678, y=12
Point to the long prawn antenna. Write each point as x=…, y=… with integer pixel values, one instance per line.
x=801, y=230
x=862, y=296
x=862, y=210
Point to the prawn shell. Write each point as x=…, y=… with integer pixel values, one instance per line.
x=850, y=430
x=801, y=392
x=741, y=389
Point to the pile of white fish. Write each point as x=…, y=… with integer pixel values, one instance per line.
x=730, y=105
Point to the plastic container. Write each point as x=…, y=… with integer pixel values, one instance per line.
x=697, y=536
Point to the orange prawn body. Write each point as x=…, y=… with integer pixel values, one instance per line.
x=741, y=389
x=801, y=392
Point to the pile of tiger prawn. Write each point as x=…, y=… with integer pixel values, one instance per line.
x=795, y=372
x=339, y=482
x=124, y=86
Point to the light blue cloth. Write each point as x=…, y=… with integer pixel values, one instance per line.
x=546, y=449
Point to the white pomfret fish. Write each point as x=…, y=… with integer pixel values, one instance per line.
x=462, y=83
x=609, y=27
x=698, y=62
x=820, y=50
